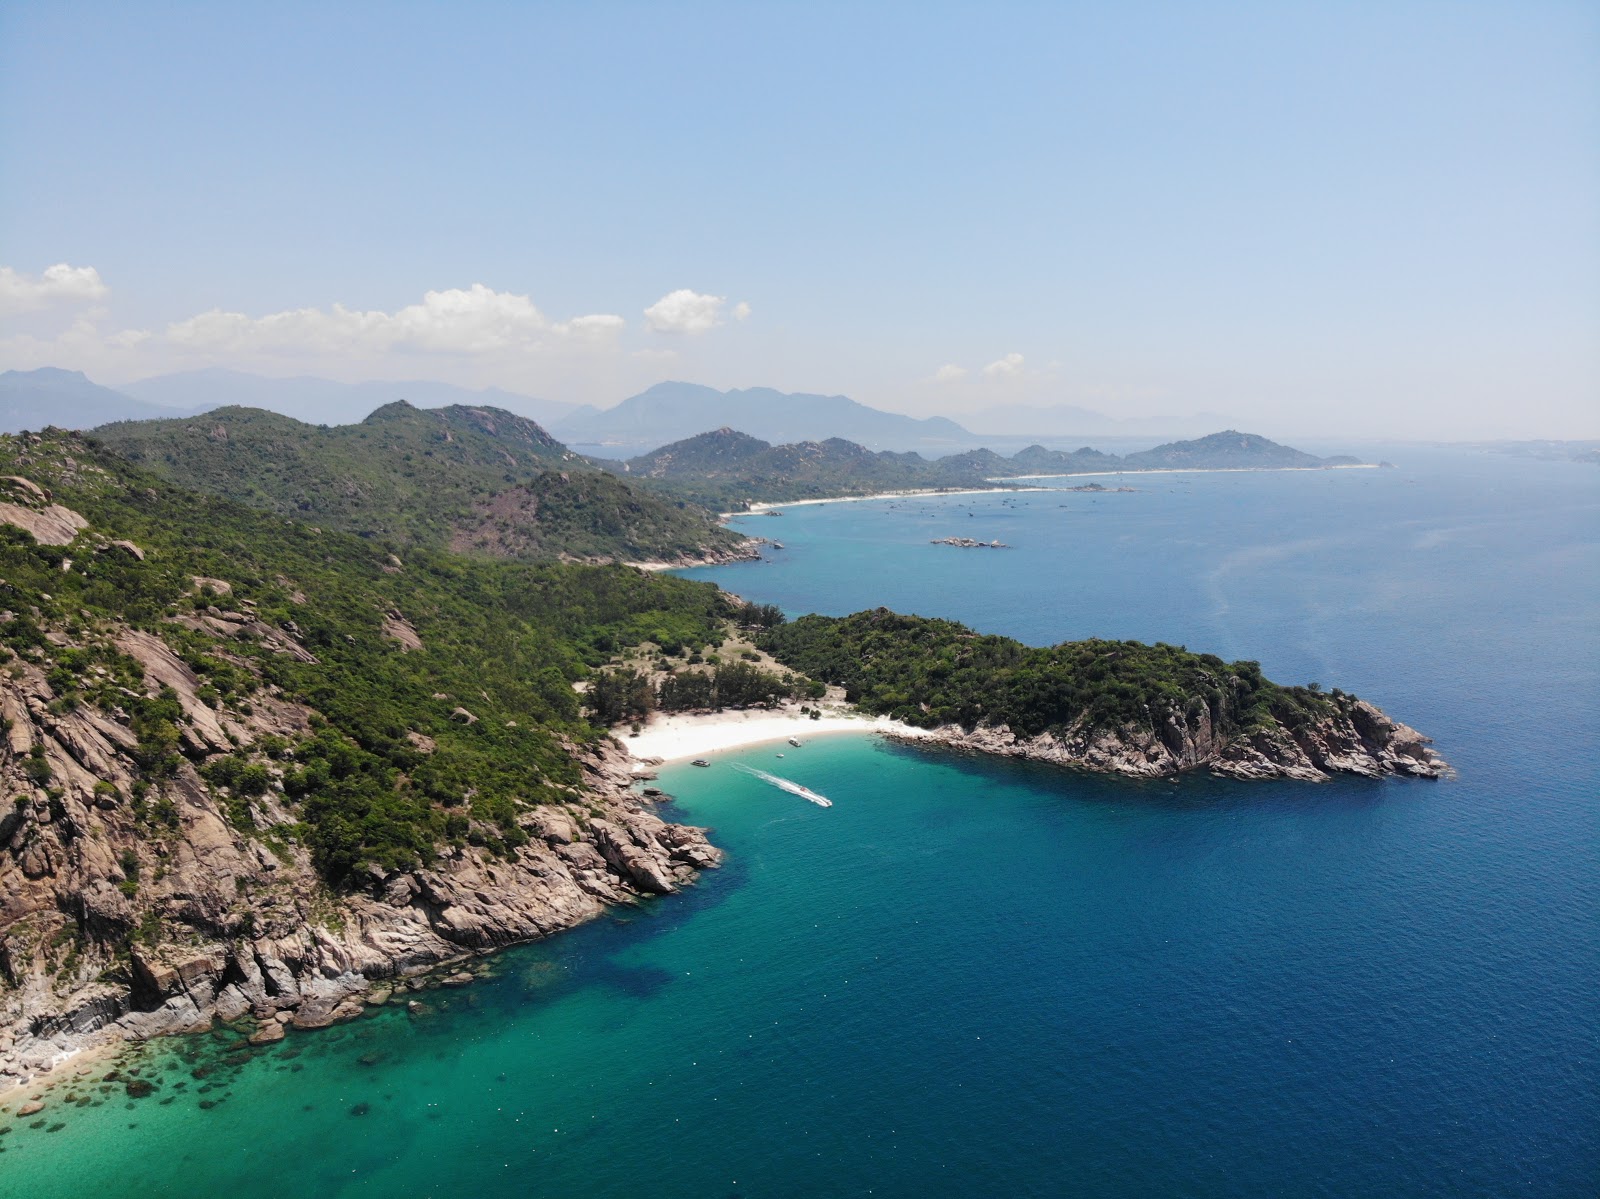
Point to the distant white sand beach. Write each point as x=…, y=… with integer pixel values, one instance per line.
x=938, y=492
x=909, y=494
x=1179, y=470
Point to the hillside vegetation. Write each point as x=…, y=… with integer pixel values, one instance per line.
x=435, y=691
x=937, y=672
x=477, y=479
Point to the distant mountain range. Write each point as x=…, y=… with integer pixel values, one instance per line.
x=666, y=412
x=662, y=416
x=68, y=400
x=671, y=412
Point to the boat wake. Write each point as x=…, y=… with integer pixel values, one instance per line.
x=793, y=788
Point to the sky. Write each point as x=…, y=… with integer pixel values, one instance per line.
x=1331, y=218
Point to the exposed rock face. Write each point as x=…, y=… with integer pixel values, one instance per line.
x=747, y=550
x=114, y=924
x=397, y=628
x=1359, y=740
x=50, y=524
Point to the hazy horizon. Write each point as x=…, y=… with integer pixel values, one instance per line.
x=1318, y=221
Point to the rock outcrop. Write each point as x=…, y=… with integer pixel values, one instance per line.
x=50, y=524
x=1357, y=738
x=129, y=910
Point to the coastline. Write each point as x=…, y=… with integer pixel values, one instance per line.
x=306, y=970
x=70, y=1066
x=1364, y=742
x=748, y=552
x=912, y=493
x=682, y=735
x=1183, y=470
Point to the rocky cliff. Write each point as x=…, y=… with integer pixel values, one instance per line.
x=1354, y=738
x=132, y=906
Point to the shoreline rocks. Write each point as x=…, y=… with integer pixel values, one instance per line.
x=306, y=957
x=1364, y=742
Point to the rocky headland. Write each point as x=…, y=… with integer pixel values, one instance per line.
x=1118, y=707
x=1363, y=741
x=145, y=890
x=229, y=922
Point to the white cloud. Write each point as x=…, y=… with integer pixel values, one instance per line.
x=475, y=321
x=949, y=373
x=685, y=311
x=56, y=284
x=741, y=311
x=1008, y=367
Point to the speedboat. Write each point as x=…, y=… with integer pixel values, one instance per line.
x=794, y=741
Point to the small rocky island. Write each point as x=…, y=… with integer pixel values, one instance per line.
x=967, y=543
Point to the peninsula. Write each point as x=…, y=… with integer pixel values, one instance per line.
x=1119, y=707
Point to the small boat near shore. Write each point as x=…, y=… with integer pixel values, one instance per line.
x=699, y=762
x=794, y=741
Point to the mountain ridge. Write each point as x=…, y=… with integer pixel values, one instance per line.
x=672, y=411
x=51, y=395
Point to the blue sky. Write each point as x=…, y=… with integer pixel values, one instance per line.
x=1312, y=217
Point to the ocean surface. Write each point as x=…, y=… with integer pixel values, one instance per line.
x=971, y=977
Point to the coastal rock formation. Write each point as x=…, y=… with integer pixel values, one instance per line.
x=1122, y=707
x=124, y=915
x=1361, y=741
x=747, y=550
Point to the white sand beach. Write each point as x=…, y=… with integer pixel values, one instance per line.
x=909, y=494
x=680, y=735
x=938, y=492
x=1180, y=470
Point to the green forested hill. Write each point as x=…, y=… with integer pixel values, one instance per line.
x=439, y=687
x=937, y=672
x=726, y=469
x=478, y=478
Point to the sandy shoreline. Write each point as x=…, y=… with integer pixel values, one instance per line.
x=683, y=735
x=72, y=1066
x=908, y=494
x=936, y=492
x=1180, y=470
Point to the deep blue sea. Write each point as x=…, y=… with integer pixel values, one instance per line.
x=971, y=977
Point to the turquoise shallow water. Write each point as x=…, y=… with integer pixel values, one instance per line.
x=973, y=977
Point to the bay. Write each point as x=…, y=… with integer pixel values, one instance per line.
x=978, y=977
